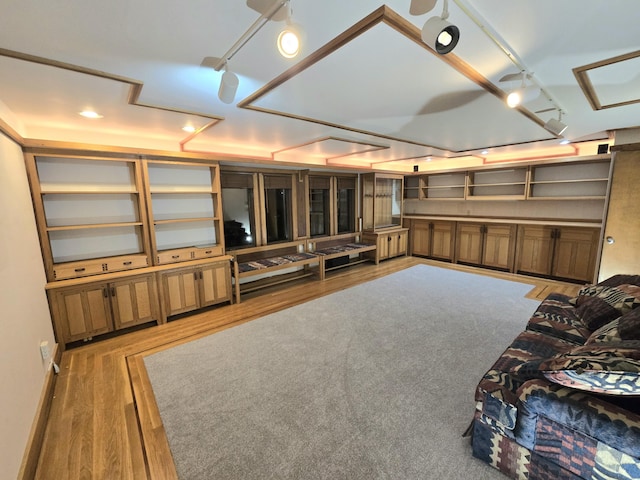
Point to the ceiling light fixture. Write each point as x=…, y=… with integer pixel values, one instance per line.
x=290, y=38
x=505, y=48
x=229, y=83
x=439, y=34
x=90, y=114
x=557, y=127
x=288, y=46
x=189, y=128
x=522, y=94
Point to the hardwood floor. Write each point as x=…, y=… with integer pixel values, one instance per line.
x=104, y=423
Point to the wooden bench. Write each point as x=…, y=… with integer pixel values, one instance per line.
x=339, y=247
x=265, y=260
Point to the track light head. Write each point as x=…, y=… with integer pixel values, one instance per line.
x=290, y=40
x=522, y=95
x=440, y=35
x=555, y=126
x=228, y=86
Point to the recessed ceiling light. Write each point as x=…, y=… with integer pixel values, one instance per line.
x=189, y=128
x=565, y=141
x=90, y=114
x=484, y=152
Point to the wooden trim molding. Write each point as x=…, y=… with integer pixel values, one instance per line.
x=135, y=90
x=383, y=15
x=582, y=76
x=35, y=441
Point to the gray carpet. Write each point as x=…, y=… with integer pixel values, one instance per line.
x=373, y=382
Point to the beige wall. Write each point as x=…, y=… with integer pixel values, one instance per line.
x=24, y=314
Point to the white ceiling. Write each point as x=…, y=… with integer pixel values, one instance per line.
x=366, y=94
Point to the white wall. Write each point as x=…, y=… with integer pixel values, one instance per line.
x=24, y=313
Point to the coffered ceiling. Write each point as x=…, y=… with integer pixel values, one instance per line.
x=366, y=92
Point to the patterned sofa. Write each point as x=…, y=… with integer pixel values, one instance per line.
x=563, y=400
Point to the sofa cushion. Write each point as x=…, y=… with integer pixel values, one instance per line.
x=608, y=368
x=556, y=317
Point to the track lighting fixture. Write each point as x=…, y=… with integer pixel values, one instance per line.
x=522, y=94
x=289, y=43
x=439, y=34
x=557, y=127
x=290, y=38
x=228, y=86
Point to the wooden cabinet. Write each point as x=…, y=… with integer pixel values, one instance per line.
x=563, y=252
x=570, y=181
x=90, y=214
x=586, y=179
x=185, y=210
x=497, y=184
x=83, y=311
x=389, y=243
x=489, y=245
x=382, y=201
x=191, y=288
x=434, y=239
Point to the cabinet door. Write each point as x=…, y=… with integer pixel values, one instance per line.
x=442, y=240
x=403, y=238
x=215, y=283
x=383, y=247
x=498, y=246
x=134, y=301
x=420, y=238
x=180, y=291
x=83, y=312
x=535, y=247
x=575, y=253
x=469, y=245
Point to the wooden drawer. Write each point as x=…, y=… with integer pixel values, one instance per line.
x=177, y=255
x=206, y=252
x=117, y=264
x=186, y=254
x=62, y=271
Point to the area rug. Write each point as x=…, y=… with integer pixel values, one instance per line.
x=372, y=382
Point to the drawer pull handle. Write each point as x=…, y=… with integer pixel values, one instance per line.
x=79, y=270
x=127, y=263
x=208, y=252
x=175, y=256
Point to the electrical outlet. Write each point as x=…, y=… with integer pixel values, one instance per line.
x=45, y=352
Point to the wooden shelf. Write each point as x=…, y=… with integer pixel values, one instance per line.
x=185, y=220
x=93, y=225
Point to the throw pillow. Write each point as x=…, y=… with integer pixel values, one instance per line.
x=607, y=333
x=597, y=305
x=612, y=368
x=595, y=312
x=627, y=327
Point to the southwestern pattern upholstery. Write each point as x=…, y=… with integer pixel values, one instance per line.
x=563, y=400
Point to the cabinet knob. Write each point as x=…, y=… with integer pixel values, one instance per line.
x=610, y=240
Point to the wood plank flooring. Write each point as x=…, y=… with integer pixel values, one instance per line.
x=104, y=422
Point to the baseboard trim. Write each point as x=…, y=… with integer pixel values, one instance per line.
x=36, y=436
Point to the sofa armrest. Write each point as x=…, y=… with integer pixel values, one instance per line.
x=578, y=414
